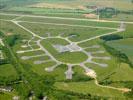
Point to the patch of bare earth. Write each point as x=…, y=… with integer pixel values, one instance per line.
x=48, y=5
x=8, y=34
x=58, y=6
x=90, y=15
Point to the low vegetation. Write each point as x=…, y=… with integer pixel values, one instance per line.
x=113, y=66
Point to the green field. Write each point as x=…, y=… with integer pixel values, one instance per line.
x=81, y=33
x=66, y=57
x=89, y=87
x=122, y=73
x=70, y=21
x=125, y=17
x=7, y=96
x=128, y=32
x=124, y=45
x=10, y=28
x=7, y=70
x=7, y=17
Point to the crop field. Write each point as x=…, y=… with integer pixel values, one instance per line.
x=70, y=8
x=73, y=4
x=71, y=50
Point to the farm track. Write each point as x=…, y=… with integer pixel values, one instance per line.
x=110, y=87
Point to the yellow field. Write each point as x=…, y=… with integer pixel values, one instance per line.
x=58, y=6
x=81, y=4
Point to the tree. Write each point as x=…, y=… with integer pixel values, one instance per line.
x=111, y=37
x=11, y=40
x=131, y=1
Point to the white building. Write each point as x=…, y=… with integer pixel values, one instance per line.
x=1, y=42
x=6, y=89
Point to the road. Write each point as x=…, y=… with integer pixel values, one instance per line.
x=92, y=38
x=34, y=35
x=110, y=87
x=66, y=25
x=42, y=48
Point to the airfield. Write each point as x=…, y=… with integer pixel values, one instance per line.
x=66, y=47
x=48, y=45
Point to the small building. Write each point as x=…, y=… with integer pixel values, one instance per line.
x=6, y=89
x=1, y=42
x=1, y=55
x=16, y=98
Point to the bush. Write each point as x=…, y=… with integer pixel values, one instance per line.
x=129, y=94
x=4, y=61
x=80, y=77
x=11, y=40
x=111, y=37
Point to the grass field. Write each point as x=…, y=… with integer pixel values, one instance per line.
x=7, y=70
x=124, y=45
x=124, y=17
x=66, y=57
x=128, y=32
x=7, y=17
x=69, y=21
x=7, y=96
x=122, y=73
x=9, y=29
x=113, y=66
x=54, y=30
x=101, y=72
x=89, y=87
